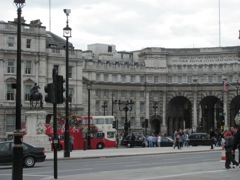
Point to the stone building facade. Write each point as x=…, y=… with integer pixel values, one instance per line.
x=172, y=88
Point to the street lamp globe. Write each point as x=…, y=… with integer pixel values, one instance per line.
x=19, y=3
x=67, y=32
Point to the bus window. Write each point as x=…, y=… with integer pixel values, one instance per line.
x=110, y=134
x=99, y=135
x=109, y=120
x=98, y=121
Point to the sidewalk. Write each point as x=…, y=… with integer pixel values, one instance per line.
x=122, y=151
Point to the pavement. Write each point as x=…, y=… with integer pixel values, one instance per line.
x=123, y=151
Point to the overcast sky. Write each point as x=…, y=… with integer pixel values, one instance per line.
x=136, y=24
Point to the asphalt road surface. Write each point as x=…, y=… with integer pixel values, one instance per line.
x=196, y=165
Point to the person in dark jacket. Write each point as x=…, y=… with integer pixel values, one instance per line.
x=236, y=142
x=228, y=145
x=212, y=137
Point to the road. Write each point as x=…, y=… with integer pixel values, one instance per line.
x=196, y=165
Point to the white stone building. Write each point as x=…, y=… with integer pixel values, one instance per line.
x=184, y=85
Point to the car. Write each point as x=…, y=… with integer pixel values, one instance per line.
x=140, y=141
x=196, y=139
x=31, y=154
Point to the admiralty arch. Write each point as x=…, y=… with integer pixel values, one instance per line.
x=172, y=88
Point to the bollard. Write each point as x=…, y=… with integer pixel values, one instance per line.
x=84, y=145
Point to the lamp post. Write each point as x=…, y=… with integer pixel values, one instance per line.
x=17, y=166
x=127, y=107
x=104, y=106
x=67, y=33
x=89, y=87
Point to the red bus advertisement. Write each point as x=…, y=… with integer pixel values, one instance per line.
x=101, y=132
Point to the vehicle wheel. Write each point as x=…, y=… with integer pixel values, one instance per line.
x=100, y=146
x=128, y=145
x=29, y=161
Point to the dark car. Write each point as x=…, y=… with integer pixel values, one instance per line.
x=196, y=139
x=140, y=140
x=31, y=154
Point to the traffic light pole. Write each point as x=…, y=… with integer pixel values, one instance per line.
x=55, y=137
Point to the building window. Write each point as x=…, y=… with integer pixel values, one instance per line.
x=10, y=41
x=70, y=94
x=170, y=79
x=10, y=92
x=109, y=48
x=189, y=78
x=106, y=77
x=142, y=94
x=70, y=69
x=10, y=67
x=28, y=44
x=142, y=107
x=210, y=79
x=97, y=106
x=179, y=79
x=97, y=77
x=156, y=79
x=113, y=78
x=10, y=122
x=28, y=67
x=27, y=92
x=132, y=94
x=123, y=78
x=142, y=79
x=132, y=79
x=220, y=79
x=98, y=93
x=122, y=121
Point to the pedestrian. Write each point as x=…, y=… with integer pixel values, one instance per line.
x=159, y=139
x=228, y=145
x=150, y=140
x=132, y=139
x=212, y=137
x=234, y=131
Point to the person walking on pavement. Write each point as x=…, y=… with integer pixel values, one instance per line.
x=228, y=145
x=212, y=137
x=132, y=139
x=159, y=139
x=234, y=131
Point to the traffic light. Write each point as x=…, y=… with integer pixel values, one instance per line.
x=60, y=89
x=50, y=96
x=143, y=124
x=114, y=124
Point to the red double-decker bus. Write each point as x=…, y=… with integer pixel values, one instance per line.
x=104, y=137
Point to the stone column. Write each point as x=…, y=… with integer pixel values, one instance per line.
x=163, y=126
x=147, y=105
x=194, y=110
x=35, y=128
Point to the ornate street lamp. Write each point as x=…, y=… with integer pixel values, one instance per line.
x=67, y=33
x=17, y=166
x=89, y=87
x=127, y=107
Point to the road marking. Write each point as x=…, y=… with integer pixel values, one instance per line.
x=178, y=175
x=60, y=171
